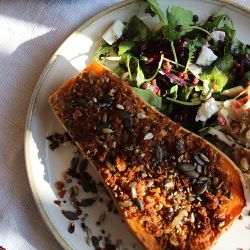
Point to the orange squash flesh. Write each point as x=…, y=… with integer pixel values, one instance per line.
x=80, y=105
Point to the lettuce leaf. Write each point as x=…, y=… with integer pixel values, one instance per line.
x=150, y=97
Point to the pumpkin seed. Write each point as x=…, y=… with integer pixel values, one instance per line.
x=200, y=188
x=71, y=228
x=106, y=99
x=83, y=166
x=203, y=178
x=127, y=123
x=215, y=180
x=123, y=114
x=158, y=153
x=204, y=158
x=199, y=160
x=127, y=203
x=138, y=203
x=191, y=174
x=148, y=136
x=74, y=162
x=70, y=215
x=185, y=167
x=95, y=242
x=209, y=182
x=87, y=202
x=110, y=166
x=102, y=126
x=102, y=217
x=92, y=187
x=83, y=102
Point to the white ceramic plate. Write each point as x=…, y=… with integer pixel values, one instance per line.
x=45, y=167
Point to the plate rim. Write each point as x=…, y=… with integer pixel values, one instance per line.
x=35, y=94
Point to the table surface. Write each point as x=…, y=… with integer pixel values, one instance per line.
x=31, y=31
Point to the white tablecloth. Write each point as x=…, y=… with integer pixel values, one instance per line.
x=30, y=32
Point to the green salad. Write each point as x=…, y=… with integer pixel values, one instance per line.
x=195, y=72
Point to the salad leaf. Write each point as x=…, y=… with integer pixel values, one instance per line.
x=218, y=23
x=136, y=30
x=247, y=76
x=102, y=51
x=214, y=81
x=177, y=16
x=238, y=48
x=225, y=63
x=134, y=70
x=174, y=91
x=155, y=8
x=150, y=97
x=191, y=52
x=185, y=93
x=118, y=70
x=125, y=46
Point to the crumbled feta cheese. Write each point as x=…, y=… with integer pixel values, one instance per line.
x=206, y=57
x=207, y=109
x=218, y=35
x=114, y=32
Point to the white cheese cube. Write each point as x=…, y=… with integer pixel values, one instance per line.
x=206, y=57
x=219, y=35
x=114, y=32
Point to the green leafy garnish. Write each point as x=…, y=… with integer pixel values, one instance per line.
x=225, y=63
x=125, y=46
x=184, y=103
x=174, y=91
x=214, y=81
x=150, y=97
x=185, y=93
x=134, y=70
x=177, y=16
x=136, y=30
x=102, y=52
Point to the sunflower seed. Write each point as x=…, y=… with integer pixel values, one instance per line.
x=148, y=136
x=133, y=191
x=107, y=130
x=199, y=160
x=204, y=158
x=200, y=188
x=70, y=215
x=125, y=203
x=119, y=106
x=104, y=118
x=199, y=169
x=139, y=204
x=141, y=115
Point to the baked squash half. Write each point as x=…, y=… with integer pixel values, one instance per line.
x=173, y=189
